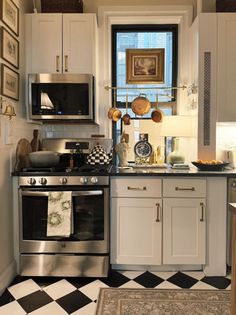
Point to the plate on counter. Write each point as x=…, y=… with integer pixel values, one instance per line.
x=143, y=149
x=210, y=167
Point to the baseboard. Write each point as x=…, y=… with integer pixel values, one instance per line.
x=7, y=276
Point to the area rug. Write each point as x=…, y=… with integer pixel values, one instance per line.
x=115, y=301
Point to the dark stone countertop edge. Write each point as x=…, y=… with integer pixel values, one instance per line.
x=115, y=171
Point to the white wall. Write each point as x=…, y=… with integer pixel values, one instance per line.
x=17, y=128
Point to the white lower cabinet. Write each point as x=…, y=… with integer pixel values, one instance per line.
x=184, y=231
x=136, y=227
x=158, y=221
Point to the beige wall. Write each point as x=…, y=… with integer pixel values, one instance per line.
x=17, y=128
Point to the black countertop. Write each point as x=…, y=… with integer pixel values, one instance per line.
x=149, y=171
x=145, y=171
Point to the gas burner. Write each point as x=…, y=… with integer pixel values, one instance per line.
x=101, y=169
x=43, y=169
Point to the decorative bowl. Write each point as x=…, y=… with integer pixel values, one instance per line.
x=210, y=167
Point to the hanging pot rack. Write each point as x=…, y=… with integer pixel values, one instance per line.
x=145, y=88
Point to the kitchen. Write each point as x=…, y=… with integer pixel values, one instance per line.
x=16, y=128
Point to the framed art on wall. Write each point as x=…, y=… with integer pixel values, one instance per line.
x=9, y=14
x=9, y=48
x=9, y=82
x=145, y=66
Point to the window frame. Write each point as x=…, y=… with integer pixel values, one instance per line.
x=127, y=28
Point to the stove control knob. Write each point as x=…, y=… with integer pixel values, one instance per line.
x=94, y=180
x=63, y=180
x=83, y=180
x=43, y=181
x=32, y=181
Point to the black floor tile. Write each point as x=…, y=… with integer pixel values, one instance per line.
x=34, y=300
x=115, y=279
x=73, y=301
x=217, y=282
x=148, y=280
x=182, y=280
x=80, y=282
x=6, y=297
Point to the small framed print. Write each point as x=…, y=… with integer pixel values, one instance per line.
x=9, y=48
x=145, y=66
x=9, y=14
x=9, y=82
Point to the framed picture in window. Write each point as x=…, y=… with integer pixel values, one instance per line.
x=145, y=66
x=9, y=48
x=9, y=82
x=9, y=14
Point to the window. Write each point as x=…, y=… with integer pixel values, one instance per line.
x=144, y=36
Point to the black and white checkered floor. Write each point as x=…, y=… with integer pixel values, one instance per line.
x=78, y=296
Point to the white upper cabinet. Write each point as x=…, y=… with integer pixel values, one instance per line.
x=226, y=79
x=57, y=43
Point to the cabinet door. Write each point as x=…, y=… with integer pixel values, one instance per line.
x=136, y=231
x=79, y=41
x=46, y=43
x=184, y=231
x=226, y=78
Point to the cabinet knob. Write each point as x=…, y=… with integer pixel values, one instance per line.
x=58, y=63
x=66, y=63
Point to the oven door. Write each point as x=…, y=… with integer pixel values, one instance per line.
x=90, y=222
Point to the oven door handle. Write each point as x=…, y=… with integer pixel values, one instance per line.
x=74, y=193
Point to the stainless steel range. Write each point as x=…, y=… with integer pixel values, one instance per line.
x=85, y=250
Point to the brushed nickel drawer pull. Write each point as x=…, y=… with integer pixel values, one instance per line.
x=57, y=63
x=66, y=63
x=202, y=213
x=137, y=188
x=189, y=189
x=158, y=219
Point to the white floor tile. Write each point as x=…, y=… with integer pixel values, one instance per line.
x=131, y=285
x=167, y=285
x=12, y=308
x=164, y=274
x=89, y=309
x=92, y=289
x=23, y=288
x=202, y=286
x=59, y=289
x=131, y=274
x=49, y=309
x=195, y=274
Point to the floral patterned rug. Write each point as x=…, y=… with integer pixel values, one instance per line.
x=115, y=301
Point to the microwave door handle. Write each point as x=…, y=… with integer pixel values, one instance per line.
x=74, y=193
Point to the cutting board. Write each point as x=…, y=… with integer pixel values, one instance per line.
x=23, y=148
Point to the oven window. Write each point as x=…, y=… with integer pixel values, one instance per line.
x=88, y=218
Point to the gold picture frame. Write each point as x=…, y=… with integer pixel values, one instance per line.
x=9, y=14
x=145, y=66
x=9, y=82
x=9, y=48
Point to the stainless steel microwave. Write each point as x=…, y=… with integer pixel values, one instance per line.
x=54, y=97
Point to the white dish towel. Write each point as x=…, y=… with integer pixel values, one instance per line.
x=60, y=219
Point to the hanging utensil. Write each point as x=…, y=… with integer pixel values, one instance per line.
x=157, y=114
x=126, y=117
x=114, y=113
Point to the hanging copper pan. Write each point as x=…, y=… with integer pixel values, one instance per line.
x=157, y=114
x=141, y=105
x=114, y=113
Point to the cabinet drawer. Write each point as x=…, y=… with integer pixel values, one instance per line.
x=183, y=187
x=138, y=187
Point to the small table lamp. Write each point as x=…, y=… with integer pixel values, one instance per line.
x=176, y=126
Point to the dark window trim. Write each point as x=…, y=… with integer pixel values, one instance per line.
x=126, y=28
